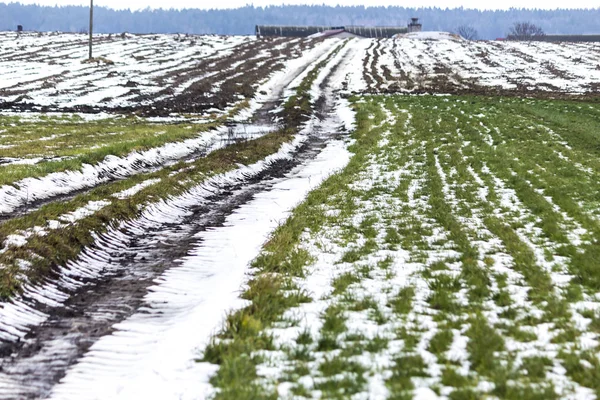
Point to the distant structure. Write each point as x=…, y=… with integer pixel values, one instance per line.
x=328, y=31
x=19, y=28
x=339, y=33
x=414, y=25
x=561, y=38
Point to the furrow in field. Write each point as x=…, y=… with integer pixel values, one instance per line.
x=367, y=66
x=376, y=71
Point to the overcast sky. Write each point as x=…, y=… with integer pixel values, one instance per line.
x=204, y=4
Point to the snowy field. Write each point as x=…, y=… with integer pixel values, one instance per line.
x=455, y=257
x=192, y=217
x=451, y=65
x=48, y=68
x=131, y=71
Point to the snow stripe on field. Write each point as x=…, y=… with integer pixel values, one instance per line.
x=135, y=189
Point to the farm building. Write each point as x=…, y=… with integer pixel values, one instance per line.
x=340, y=31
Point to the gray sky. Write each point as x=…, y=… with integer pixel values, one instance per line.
x=503, y=4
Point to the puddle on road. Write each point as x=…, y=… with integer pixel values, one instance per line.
x=241, y=132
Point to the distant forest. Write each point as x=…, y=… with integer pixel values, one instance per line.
x=241, y=21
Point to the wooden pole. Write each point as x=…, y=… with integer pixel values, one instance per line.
x=91, y=24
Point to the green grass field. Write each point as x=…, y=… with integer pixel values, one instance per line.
x=66, y=143
x=458, y=253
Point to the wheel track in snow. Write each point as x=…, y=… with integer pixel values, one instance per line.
x=110, y=279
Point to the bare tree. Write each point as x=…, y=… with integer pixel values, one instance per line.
x=525, y=31
x=467, y=32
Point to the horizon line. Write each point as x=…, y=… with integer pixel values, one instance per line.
x=149, y=8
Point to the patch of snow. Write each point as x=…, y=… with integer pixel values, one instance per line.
x=431, y=35
x=135, y=189
x=83, y=212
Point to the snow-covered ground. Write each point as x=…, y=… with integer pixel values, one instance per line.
x=416, y=62
x=276, y=87
x=48, y=68
x=20, y=315
x=434, y=272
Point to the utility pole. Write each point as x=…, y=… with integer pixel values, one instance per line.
x=91, y=24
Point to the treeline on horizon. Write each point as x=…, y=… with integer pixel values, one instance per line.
x=241, y=21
